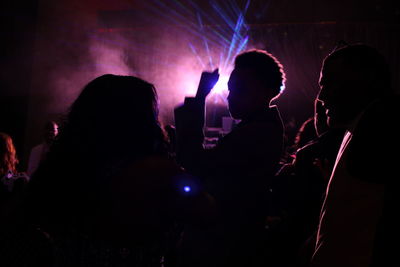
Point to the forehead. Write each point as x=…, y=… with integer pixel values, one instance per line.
x=335, y=70
x=332, y=68
x=242, y=76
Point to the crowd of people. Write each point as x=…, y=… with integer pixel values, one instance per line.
x=113, y=187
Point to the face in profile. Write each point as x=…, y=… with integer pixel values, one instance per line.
x=246, y=93
x=341, y=91
x=51, y=131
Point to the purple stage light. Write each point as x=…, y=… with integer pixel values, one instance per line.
x=187, y=189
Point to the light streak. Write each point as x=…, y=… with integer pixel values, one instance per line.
x=229, y=47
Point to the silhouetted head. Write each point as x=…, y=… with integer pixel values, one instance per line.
x=305, y=134
x=257, y=78
x=112, y=124
x=8, y=155
x=352, y=77
x=50, y=131
x=114, y=114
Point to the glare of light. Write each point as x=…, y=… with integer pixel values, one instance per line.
x=222, y=85
x=187, y=83
x=187, y=189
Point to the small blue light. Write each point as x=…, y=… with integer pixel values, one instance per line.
x=187, y=189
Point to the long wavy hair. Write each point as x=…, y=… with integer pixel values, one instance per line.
x=112, y=123
x=8, y=155
x=116, y=116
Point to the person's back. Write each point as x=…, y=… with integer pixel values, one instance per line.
x=12, y=182
x=377, y=129
x=107, y=193
x=237, y=170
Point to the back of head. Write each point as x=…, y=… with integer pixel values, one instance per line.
x=266, y=68
x=112, y=123
x=8, y=157
x=352, y=78
x=369, y=63
x=306, y=133
x=116, y=113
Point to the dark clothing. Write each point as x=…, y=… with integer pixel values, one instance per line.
x=359, y=225
x=235, y=172
x=312, y=163
x=12, y=187
x=373, y=157
x=298, y=191
x=127, y=218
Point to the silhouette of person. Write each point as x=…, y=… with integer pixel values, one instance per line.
x=310, y=174
x=314, y=162
x=12, y=188
x=357, y=224
x=305, y=134
x=12, y=182
x=235, y=172
x=39, y=152
x=107, y=193
x=298, y=190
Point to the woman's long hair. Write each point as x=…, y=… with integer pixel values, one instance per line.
x=115, y=116
x=112, y=123
x=8, y=155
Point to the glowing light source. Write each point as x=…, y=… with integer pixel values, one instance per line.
x=187, y=189
x=214, y=36
x=222, y=84
x=230, y=41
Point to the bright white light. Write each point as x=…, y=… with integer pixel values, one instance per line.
x=222, y=85
x=187, y=189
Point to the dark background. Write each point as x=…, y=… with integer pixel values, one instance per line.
x=51, y=49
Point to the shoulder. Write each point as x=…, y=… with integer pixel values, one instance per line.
x=378, y=124
x=308, y=148
x=38, y=147
x=14, y=181
x=372, y=152
x=384, y=113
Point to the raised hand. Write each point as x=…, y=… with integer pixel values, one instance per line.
x=206, y=84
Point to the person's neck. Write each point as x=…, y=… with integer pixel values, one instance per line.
x=353, y=122
x=254, y=113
